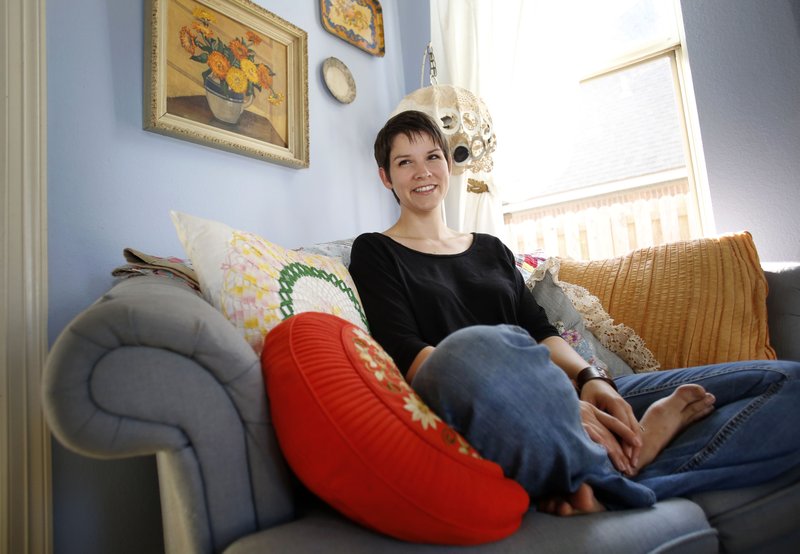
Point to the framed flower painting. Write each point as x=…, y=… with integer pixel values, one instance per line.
x=228, y=74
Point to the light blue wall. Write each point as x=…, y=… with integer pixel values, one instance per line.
x=111, y=185
x=745, y=62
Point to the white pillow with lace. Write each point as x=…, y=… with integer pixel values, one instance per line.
x=616, y=337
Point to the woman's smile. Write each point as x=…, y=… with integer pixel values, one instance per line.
x=424, y=189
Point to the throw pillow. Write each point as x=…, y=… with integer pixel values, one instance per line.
x=257, y=284
x=542, y=279
x=334, y=249
x=618, y=339
x=693, y=302
x=359, y=437
x=570, y=325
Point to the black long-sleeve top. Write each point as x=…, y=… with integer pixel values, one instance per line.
x=413, y=299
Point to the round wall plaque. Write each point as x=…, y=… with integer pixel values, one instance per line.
x=339, y=80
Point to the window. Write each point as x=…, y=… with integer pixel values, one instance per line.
x=627, y=179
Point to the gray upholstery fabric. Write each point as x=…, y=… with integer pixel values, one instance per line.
x=674, y=525
x=765, y=518
x=186, y=521
x=152, y=367
x=783, y=309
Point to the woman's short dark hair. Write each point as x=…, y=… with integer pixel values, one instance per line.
x=412, y=124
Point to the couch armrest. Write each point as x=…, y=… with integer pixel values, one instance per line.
x=783, y=308
x=151, y=367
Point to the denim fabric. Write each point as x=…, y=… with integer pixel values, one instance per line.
x=499, y=389
x=751, y=437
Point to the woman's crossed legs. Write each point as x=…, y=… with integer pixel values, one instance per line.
x=498, y=388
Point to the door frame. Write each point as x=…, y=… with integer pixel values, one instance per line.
x=25, y=463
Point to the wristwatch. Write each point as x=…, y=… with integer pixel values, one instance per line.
x=592, y=372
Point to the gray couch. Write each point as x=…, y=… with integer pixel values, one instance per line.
x=151, y=368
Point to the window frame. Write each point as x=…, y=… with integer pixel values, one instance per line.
x=695, y=171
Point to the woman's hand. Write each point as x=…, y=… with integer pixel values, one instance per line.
x=601, y=428
x=622, y=435
x=612, y=424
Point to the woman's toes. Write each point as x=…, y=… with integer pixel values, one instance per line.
x=700, y=408
x=690, y=393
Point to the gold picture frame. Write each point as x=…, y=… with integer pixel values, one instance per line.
x=228, y=74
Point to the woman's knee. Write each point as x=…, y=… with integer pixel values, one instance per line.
x=457, y=364
x=481, y=361
x=484, y=352
x=494, y=347
x=480, y=338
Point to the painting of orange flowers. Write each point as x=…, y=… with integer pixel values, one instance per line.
x=228, y=74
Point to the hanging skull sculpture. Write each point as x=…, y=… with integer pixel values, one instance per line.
x=464, y=120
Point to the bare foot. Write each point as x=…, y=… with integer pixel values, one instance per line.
x=580, y=502
x=667, y=417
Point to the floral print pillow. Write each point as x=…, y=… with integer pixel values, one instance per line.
x=540, y=274
x=257, y=284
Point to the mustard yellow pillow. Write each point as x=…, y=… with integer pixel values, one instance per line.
x=693, y=302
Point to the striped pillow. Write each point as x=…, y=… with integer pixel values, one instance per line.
x=693, y=302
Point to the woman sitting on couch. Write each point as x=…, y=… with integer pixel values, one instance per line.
x=453, y=312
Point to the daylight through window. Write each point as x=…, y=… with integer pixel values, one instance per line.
x=626, y=179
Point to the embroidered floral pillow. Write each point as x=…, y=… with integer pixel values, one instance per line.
x=559, y=302
x=361, y=439
x=257, y=284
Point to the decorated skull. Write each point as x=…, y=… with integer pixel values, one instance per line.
x=464, y=120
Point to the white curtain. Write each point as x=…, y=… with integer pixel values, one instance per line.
x=525, y=59
x=510, y=54
x=455, y=27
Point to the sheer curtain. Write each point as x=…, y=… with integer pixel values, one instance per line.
x=510, y=54
x=525, y=59
x=457, y=31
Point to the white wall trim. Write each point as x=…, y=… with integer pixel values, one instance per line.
x=696, y=155
x=25, y=476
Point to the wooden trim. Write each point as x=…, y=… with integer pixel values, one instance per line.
x=25, y=482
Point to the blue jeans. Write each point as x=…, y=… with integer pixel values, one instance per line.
x=498, y=388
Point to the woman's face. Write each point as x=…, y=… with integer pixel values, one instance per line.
x=418, y=172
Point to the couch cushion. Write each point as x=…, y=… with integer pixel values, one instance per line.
x=763, y=518
x=783, y=306
x=257, y=284
x=359, y=437
x=671, y=526
x=693, y=302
